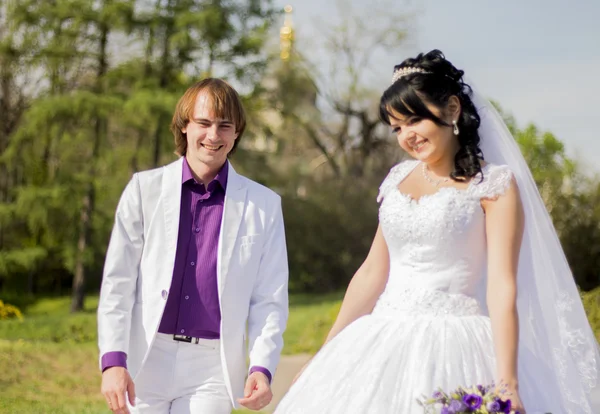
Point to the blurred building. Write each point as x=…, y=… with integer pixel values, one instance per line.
x=291, y=92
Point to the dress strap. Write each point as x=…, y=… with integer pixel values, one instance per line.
x=397, y=173
x=496, y=180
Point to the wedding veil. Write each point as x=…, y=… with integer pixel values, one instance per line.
x=555, y=334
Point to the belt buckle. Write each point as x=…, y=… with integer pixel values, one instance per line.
x=182, y=338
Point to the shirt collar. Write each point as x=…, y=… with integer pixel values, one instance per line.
x=221, y=176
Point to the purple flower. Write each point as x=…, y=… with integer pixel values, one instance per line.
x=461, y=392
x=473, y=401
x=505, y=406
x=482, y=389
x=493, y=406
x=456, y=406
x=445, y=410
x=439, y=397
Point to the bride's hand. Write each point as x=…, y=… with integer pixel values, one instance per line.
x=516, y=406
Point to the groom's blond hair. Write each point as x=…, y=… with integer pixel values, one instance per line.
x=226, y=104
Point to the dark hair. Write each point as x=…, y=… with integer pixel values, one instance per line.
x=226, y=104
x=409, y=95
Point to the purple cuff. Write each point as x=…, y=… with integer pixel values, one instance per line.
x=114, y=359
x=263, y=370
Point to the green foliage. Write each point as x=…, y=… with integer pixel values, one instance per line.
x=49, y=321
x=591, y=303
x=77, y=328
x=580, y=234
x=572, y=199
x=328, y=235
x=311, y=318
x=18, y=261
x=100, y=81
x=82, y=115
x=18, y=299
x=8, y=311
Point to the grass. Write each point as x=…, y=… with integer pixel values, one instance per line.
x=49, y=378
x=49, y=320
x=49, y=359
x=309, y=322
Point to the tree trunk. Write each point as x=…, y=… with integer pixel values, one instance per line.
x=7, y=111
x=163, y=80
x=31, y=282
x=157, y=141
x=133, y=163
x=85, y=224
x=88, y=205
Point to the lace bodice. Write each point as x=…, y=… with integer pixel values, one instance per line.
x=437, y=244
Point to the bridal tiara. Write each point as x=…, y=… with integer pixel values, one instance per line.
x=399, y=73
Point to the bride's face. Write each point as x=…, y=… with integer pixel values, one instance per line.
x=422, y=138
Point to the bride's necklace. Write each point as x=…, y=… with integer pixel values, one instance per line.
x=435, y=183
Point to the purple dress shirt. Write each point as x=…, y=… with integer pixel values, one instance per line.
x=192, y=307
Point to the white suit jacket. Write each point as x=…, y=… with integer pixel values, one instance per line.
x=252, y=272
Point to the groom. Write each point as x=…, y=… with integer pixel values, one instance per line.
x=196, y=266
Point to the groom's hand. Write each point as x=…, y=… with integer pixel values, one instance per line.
x=257, y=394
x=117, y=385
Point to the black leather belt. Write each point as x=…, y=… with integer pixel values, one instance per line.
x=183, y=338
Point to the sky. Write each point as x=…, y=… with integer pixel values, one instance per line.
x=539, y=59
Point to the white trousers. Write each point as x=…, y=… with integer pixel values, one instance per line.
x=182, y=378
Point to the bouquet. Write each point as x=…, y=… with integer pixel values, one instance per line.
x=478, y=400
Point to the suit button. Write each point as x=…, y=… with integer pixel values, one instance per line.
x=164, y=294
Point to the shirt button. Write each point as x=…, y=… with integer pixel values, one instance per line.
x=183, y=330
x=164, y=294
x=197, y=229
x=187, y=297
x=193, y=263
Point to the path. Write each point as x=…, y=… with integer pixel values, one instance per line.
x=288, y=367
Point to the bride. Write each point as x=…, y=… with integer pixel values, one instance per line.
x=465, y=283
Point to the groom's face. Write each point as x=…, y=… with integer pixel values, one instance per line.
x=209, y=137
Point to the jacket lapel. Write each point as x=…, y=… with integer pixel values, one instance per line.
x=233, y=212
x=171, y=200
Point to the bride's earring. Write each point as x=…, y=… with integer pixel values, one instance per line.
x=455, y=127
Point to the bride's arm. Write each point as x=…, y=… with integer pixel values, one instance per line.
x=504, y=228
x=366, y=286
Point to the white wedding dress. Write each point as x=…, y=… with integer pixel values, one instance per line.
x=429, y=328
